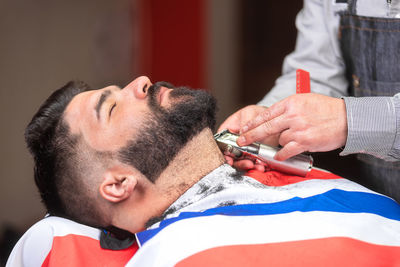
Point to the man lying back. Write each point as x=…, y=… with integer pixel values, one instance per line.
x=144, y=157
x=127, y=154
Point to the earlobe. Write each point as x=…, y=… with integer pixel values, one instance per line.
x=117, y=186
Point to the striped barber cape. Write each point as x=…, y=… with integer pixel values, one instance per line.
x=55, y=241
x=231, y=220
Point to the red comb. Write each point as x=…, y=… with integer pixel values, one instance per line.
x=302, y=81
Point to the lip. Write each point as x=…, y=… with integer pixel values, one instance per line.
x=164, y=91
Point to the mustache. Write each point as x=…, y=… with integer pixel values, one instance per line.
x=153, y=91
x=155, y=87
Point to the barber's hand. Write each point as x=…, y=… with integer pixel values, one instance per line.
x=305, y=122
x=235, y=122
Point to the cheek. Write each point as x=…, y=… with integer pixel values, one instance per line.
x=127, y=125
x=124, y=125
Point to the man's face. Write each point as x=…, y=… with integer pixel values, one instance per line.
x=145, y=124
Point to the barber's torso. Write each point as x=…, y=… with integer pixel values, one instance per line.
x=368, y=43
x=369, y=39
x=386, y=9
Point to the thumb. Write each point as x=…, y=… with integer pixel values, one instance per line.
x=231, y=123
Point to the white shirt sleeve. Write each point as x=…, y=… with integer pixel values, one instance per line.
x=317, y=51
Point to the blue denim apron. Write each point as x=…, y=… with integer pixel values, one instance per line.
x=371, y=51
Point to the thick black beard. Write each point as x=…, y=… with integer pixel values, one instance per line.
x=166, y=131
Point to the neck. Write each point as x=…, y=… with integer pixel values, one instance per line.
x=199, y=157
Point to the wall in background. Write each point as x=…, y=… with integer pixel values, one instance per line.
x=44, y=44
x=173, y=41
x=268, y=34
x=192, y=43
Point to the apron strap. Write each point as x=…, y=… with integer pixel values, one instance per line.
x=352, y=6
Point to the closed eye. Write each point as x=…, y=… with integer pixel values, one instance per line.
x=111, y=109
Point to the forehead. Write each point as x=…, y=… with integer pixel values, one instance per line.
x=79, y=110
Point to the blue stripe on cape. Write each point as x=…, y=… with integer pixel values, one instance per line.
x=334, y=200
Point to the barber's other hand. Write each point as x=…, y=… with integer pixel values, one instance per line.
x=304, y=122
x=235, y=122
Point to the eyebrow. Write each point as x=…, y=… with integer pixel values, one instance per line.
x=101, y=101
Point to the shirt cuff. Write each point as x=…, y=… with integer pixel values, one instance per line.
x=371, y=123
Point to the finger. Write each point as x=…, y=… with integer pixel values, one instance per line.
x=285, y=137
x=269, y=128
x=229, y=160
x=231, y=123
x=244, y=165
x=289, y=150
x=249, y=113
x=267, y=115
x=259, y=167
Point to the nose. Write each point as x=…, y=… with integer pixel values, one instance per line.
x=139, y=86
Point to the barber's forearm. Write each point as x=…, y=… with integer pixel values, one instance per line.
x=372, y=126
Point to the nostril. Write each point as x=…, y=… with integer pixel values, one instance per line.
x=144, y=88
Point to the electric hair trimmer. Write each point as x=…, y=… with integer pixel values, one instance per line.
x=298, y=165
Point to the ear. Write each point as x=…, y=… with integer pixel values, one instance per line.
x=118, y=184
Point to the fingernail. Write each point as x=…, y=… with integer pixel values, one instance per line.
x=245, y=129
x=241, y=140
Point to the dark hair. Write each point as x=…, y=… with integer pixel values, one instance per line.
x=54, y=151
